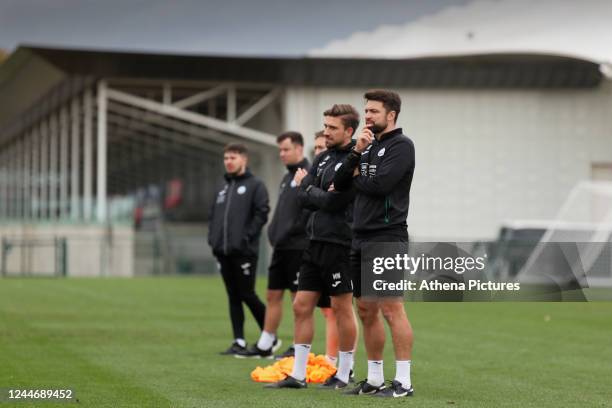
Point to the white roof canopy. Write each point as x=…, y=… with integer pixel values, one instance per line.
x=560, y=27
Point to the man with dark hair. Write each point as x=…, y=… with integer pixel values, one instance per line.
x=236, y=219
x=389, y=100
x=294, y=137
x=325, y=268
x=237, y=148
x=287, y=235
x=380, y=168
x=319, y=143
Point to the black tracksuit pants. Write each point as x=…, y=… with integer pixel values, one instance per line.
x=239, y=274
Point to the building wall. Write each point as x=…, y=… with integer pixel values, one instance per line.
x=485, y=156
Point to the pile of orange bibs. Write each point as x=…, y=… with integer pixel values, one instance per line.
x=318, y=370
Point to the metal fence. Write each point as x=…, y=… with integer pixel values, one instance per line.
x=34, y=257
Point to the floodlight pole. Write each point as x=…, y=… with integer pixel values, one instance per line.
x=87, y=155
x=101, y=201
x=53, y=172
x=35, y=177
x=11, y=179
x=10, y=185
x=63, y=170
x=4, y=183
x=19, y=179
x=75, y=212
x=27, y=179
x=44, y=171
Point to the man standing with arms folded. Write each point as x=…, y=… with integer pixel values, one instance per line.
x=325, y=267
x=380, y=168
x=238, y=214
x=287, y=235
x=331, y=327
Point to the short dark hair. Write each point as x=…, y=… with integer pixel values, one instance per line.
x=347, y=114
x=390, y=100
x=319, y=134
x=236, y=148
x=295, y=137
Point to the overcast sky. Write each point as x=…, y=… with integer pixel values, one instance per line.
x=266, y=27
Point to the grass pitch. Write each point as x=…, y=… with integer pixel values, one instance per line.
x=155, y=342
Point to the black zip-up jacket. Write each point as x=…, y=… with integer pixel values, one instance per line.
x=287, y=230
x=382, y=186
x=237, y=216
x=332, y=213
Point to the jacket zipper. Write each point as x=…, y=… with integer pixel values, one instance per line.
x=387, y=206
x=225, y=215
x=314, y=214
x=279, y=206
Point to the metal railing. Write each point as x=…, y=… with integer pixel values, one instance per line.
x=16, y=257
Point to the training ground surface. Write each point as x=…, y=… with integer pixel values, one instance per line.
x=155, y=342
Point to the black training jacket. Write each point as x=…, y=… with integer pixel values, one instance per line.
x=287, y=228
x=382, y=186
x=331, y=216
x=237, y=216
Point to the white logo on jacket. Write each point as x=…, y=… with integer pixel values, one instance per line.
x=324, y=161
x=381, y=152
x=337, y=166
x=241, y=190
x=221, y=196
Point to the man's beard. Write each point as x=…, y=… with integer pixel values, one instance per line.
x=377, y=128
x=330, y=143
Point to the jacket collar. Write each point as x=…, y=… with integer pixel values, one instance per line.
x=293, y=167
x=245, y=175
x=345, y=148
x=389, y=134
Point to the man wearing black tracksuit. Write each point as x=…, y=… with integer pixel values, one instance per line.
x=325, y=266
x=238, y=214
x=287, y=235
x=380, y=168
x=381, y=204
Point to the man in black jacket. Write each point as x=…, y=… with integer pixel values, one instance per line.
x=380, y=167
x=287, y=235
x=325, y=267
x=236, y=219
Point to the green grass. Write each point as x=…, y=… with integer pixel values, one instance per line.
x=155, y=342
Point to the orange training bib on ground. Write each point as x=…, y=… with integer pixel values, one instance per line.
x=318, y=370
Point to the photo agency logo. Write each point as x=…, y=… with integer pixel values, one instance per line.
x=477, y=271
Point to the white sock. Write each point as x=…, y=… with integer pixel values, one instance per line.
x=241, y=342
x=300, y=361
x=353, y=361
x=402, y=373
x=266, y=340
x=344, y=365
x=376, y=376
x=332, y=360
